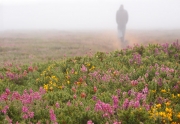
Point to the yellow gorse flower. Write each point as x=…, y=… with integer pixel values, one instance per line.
x=46, y=87
x=88, y=64
x=163, y=91
x=178, y=95
x=178, y=115
x=173, y=96
x=153, y=91
x=158, y=105
x=169, y=110
x=162, y=114
x=68, y=82
x=167, y=103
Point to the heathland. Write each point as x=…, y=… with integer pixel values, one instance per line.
x=60, y=77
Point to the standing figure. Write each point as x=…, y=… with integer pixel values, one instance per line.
x=121, y=20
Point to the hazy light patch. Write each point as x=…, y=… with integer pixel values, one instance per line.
x=19, y=2
x=87, y=14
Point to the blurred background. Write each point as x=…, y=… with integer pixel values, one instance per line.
x=87, y=14
x=43, y=30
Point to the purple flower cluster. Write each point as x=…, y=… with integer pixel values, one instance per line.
x=136, y=59
x=105, y=108
x=26, y=101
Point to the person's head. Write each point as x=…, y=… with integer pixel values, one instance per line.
x=121, y=7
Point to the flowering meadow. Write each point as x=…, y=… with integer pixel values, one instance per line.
x=137, y=85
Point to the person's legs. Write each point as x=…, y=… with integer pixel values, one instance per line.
x=120, y=34
x=123, y=29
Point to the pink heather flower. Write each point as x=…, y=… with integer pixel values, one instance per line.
x=95, y=88
x=136, y=104
x=145, y=90
x=15, y=95
x=139, y=96
x=72, y=71
x=4, y=96
x=90, y=122
x=38, y=122
x=25, y=116
x=106, y=115
x=47, y=107
x=31, y=114
x=115, y=101
x=83, y=68
x=30, y=91
x=17, y=122
x=24, y=109
x=42, y=90
x=87, y=108
x=104, y=107
x=9, y=120
x=8, y=91
x=124, y=94
x=74, y=96
x=1, y=76
x=94, y=98
x=68, y=103
x=117, y=122
x=156, y=73
x=30, y=69
x=126, y=104
x=160, y=82
x=131, y=103
x=4, y=110
x=57, y=105
x=81, y=103
x=35, y=95
x=118, y=92
x=24, y=73
x=146, y=75
x=134, y=82
x=52, y=115
x=147, y=107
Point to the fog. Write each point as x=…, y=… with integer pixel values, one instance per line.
x=87, y=14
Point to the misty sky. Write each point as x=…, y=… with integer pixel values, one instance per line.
x=87, y=14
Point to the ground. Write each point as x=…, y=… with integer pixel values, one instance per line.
x=41, y=46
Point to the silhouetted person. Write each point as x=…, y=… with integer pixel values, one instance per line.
x=121, y=19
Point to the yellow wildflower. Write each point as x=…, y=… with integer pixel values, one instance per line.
x=163, y=91
x=154, y=91
x=88, y=64
x=158, y=105
x=169, y=116
x=37, y=79
x=50, y=82
x=51, y=88
x=162, y=114
x=68, y=82
x=46, y=87
x=167, y=103
x=60, y=87
x=178, y=95
x=53, y=77
x=78, y=83
x=169, y=110
x=93, y=67
x=54, y=84
x=173, y=96
x=178, y=115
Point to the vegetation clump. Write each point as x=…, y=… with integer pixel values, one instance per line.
x=131, y=86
